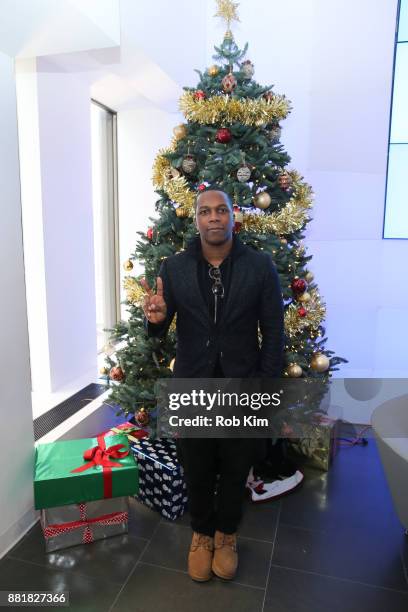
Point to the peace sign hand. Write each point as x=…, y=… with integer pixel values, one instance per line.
x=154, y=306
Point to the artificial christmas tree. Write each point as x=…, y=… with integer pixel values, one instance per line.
x=230, y=141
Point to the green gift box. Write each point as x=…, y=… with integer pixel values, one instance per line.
x=73, y=471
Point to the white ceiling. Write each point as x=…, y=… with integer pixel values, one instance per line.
x=124, y=49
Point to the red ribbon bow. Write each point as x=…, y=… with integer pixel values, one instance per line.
x=100, y=455
x=114, y=518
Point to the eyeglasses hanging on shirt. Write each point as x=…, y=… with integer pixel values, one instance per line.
x=218, y=288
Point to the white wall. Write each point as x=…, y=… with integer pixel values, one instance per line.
x=65, y=120
x=333, y=60
x=359, y=272
x=54, y=135
x=17, y=447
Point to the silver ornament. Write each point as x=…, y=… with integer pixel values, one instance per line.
x=275, y=133
x=243, y=174
x=248, y=69
x=189, y=164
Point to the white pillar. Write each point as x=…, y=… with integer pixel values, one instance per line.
x=56, y=181
x=17, y=446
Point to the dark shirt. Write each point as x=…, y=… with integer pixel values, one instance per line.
x=206, y=283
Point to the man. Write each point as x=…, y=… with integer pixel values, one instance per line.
x=221, y=291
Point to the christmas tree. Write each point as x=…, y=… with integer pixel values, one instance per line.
x=230, y=141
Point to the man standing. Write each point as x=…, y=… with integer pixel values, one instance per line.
x=222, y=291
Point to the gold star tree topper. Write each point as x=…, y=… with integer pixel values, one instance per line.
x=227, y=10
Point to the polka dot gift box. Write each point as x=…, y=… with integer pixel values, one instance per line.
x=161, y=481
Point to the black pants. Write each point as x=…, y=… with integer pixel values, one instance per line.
x=203, y=459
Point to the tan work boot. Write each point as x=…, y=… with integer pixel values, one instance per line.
x=200, y=557
x=225, y=559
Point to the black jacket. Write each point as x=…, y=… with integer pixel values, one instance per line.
x=254, y=298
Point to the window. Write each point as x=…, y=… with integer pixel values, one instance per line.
x=396, y=208
x=105, y=214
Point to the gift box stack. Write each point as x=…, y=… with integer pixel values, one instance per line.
x=82, y=489
x=161, y=482
x=318, y=444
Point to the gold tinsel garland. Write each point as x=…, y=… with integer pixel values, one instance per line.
x=134, y=292
x=292, y=216
x=177, y=188
x=316, y=310
x=290, y=219
x=178, y=191
x=226, y=110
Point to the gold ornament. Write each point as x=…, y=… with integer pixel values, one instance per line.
x=171, y=365
x=225, y=110
x=213, y=70
x=319, y=362
x=103, y=371
x=294, y=370
x=283, y=241
x=108, y=349
x=128, y=266
x=309, y=276
x=180, y=131
x=181, y=212
x=304, y=297
x=262, y=200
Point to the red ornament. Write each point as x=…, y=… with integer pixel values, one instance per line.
x=284, y=181
x=287, y=430
x=238, y=218
x=298, y=285
x=199, y=94
x=224, y=135
x=302, y=312
x=116, y=373
x=142, y=417
x=268, y=96
x=229, y=83
x=201, y=187
x=149, y=233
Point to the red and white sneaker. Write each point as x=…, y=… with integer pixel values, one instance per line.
x=261, y=491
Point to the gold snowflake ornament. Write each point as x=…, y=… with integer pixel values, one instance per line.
x=227, y=10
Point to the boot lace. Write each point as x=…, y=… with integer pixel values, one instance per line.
x=203, y=541
x=227, y=539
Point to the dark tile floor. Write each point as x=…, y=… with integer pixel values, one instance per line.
x=333, y=545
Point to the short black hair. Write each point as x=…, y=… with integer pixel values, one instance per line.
x=214, y=188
